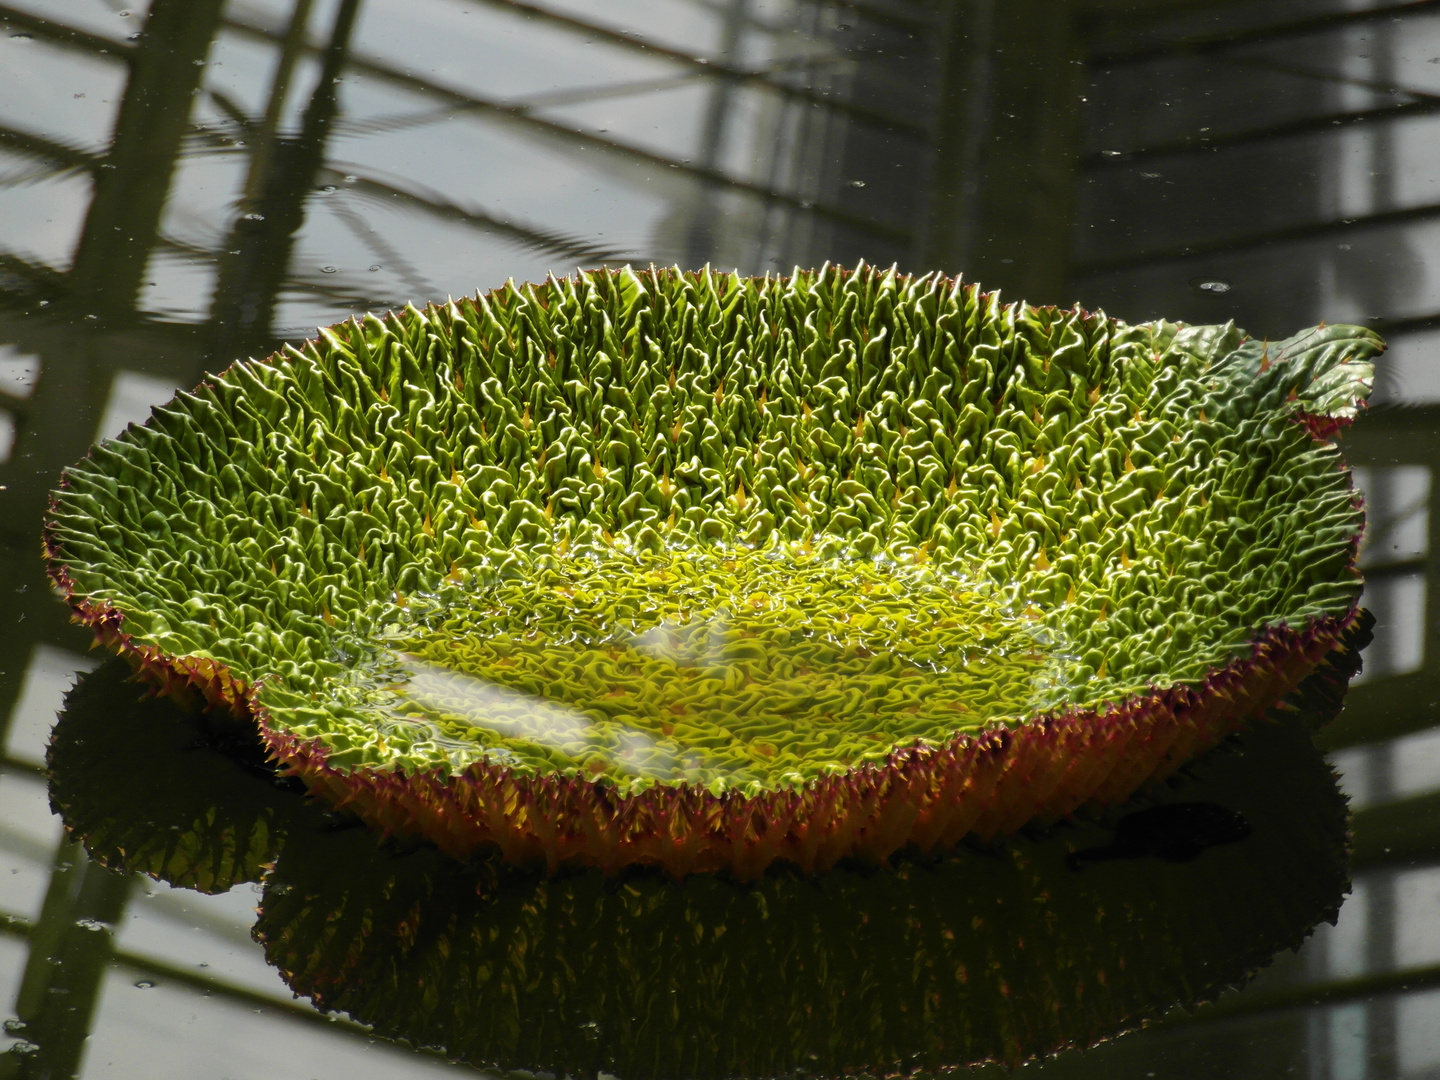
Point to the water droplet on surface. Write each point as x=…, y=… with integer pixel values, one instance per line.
x=857, y=183
x=1211, y=285
x=89, y=924
x=328, y=188
x=23, y=1048
x=329, y=269
x=253, y=217
x=1112, y=153
x=144, y=984
x=374, y=267
x=133, y=37
x=22, y=37
x=351, y=179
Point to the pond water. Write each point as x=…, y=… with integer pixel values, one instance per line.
x=189, y=182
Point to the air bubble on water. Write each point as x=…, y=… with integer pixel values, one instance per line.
x=1212, y=285
x=857, y=183
x=22, y=37
x=144, y=984
x=328, y=188
x=1112, y=153
x=329, y=269
x=374, y=267
x=89, y=924
x=253, y=216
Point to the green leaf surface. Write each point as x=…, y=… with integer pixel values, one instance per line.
x=375, y=533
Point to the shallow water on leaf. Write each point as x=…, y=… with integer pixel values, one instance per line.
x=744, y=667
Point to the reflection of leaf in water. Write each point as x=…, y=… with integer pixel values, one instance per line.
x=1175, y=832
x=136, y=779
x=985, y=954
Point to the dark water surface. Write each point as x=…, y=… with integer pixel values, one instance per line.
x=191, y=181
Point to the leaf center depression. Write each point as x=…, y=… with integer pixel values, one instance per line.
x=726, y=666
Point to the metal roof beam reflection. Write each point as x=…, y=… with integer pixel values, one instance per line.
x=1278, y=32
x=1291, y=234
x=1289, y=129
x=435, y=204
x=261, y=242
x=67, y=157
x=131, y=192
x=463, y=102
x=574, y=137
x=718, y=68
x=55, y=33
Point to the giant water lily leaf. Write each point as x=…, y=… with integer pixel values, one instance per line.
x=1059, y=937
x=706, y=572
